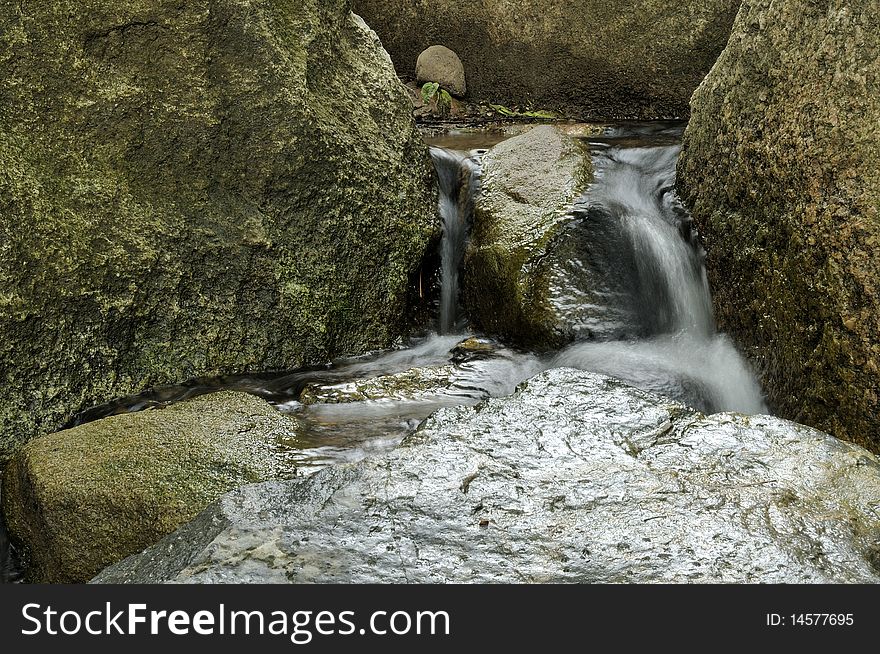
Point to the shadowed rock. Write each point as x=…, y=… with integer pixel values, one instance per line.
x=590, y=58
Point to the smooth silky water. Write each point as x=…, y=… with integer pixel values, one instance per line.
x=647, y=318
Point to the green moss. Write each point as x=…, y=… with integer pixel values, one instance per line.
x=196, y=190
x=529, y=184
x=83, y=498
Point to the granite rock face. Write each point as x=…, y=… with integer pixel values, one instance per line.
x=528, y=186
x=781, y=170
x=575, y=478
x=83, y=498
x=590, y=58
x=192, y=189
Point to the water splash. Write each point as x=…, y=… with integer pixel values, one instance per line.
x=649, y=316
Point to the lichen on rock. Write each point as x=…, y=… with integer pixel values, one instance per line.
x=196, y=189
x=81, y=499
x=528, y=185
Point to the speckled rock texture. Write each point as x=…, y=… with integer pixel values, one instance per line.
x=193, y=189
x=528, y=185
x=575, y=478
x=781, y=169
x=587, y=58
x=83, y=498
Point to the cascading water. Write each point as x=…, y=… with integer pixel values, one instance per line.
x=458, y=176
x=652, y=325
x=627, y=273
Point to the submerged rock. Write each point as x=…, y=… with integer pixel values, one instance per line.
x=86, y=497
x=405, y=385
x=528, y=186
x=575, y=478
x=591, y=58
x=194, y=189
x=473, y=349
x=441, y=65
x=781, y=170
x=474, y=369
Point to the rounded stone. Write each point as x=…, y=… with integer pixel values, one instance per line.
x=83, y=498
x=440, y=64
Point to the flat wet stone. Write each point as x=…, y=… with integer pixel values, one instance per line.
x=575, y=478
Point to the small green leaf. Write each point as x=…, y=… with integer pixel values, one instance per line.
x=444, y=102
x=429, y=90
x=504, y=111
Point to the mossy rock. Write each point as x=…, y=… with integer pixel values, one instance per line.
x=81, y=499
x=528, y=186
x=781, y=169
x=194, y=189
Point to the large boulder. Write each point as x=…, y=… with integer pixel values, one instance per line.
x=192, y=189
x=527, y=188
x=83, y=498
x=781, y=169
x=592, y=58
x=576, y=478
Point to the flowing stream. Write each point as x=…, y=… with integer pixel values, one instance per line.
x=458, y=174
x=646, y=316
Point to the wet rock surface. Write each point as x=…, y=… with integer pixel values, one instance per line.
x=528, y=185
x=196, y=189
x=83, y=498
x=475, y=369
x=781, y=170
x=575, y=478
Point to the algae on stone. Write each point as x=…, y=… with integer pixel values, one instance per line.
x=528, y=185
x=781, y=170
x=194, y=189
x=81, y=499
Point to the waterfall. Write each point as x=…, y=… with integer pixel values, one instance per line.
x=458, y=174
x=659, y=333
x=637, y=186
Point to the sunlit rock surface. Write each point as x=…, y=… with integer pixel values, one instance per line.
x=575, y=478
